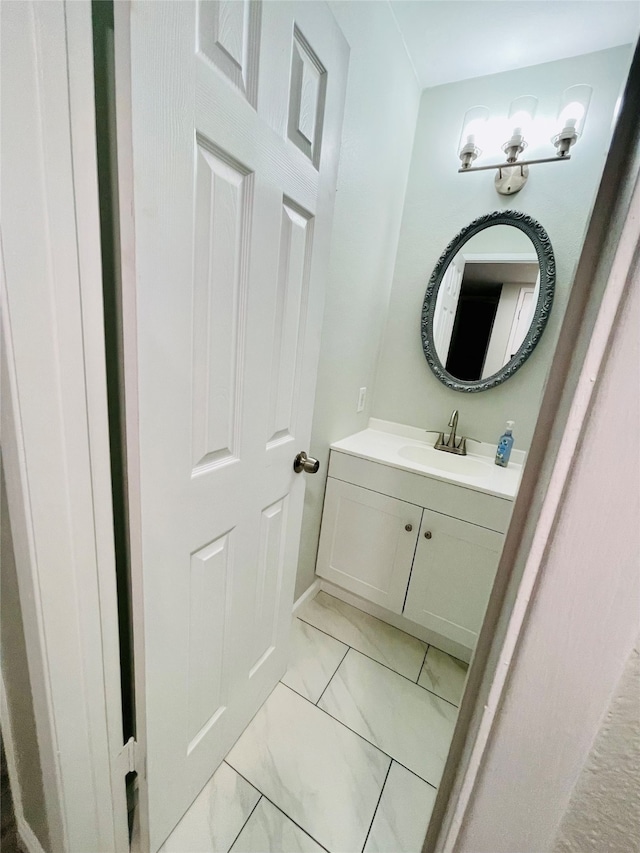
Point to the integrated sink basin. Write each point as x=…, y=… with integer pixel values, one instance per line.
x=411, y=449
x=443, y=461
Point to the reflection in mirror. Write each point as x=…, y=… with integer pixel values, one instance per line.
x=485, y=303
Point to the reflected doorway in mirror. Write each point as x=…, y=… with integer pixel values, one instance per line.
x=484, y=310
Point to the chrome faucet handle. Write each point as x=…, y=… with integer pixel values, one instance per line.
x=453, y=423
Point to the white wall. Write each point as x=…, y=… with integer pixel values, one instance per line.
x=440, y=202
x=603, y=812
x=500, y=238
x=379, y=124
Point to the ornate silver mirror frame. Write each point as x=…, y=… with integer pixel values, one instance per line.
x=544, y=250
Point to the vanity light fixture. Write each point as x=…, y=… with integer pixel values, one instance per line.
x=512, y=175
x=473, y=131
x=520, y=118
x=572, y=113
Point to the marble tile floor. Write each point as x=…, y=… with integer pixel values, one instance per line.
x=344, y=756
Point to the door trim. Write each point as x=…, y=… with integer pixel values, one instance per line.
x=55, y=429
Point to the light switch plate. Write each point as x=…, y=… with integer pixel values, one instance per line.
x=362, y=396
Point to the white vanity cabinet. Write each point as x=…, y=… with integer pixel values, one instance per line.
x=367, y=543
x=453, y=571
x=422, y=548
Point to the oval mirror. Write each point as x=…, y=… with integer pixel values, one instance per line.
x=488, y=301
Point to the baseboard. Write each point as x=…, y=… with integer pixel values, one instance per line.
x=27, y=838
x=310, y=593
x=398, y=621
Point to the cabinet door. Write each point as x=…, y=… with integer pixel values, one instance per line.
x=367, y=543
x=453, y=571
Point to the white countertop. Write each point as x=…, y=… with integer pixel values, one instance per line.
x=411, y=449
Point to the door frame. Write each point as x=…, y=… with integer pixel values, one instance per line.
x=55, y=440
x=78, y=702
x=489, y=258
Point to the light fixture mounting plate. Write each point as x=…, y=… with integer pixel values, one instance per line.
x=511, y=179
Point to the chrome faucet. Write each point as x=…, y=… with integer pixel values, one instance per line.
x=450, y=446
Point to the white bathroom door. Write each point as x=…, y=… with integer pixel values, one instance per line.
x=521, y=320
x=235, y=115
x=446, y=308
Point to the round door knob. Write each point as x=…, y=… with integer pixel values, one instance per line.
x=305, y=463
x=408, y=527
x=427, y=534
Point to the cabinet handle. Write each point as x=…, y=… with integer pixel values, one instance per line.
x=408, y=527
x=427, y=534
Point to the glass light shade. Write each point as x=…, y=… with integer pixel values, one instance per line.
x=574, y=105
x=521, y=113
x=473, y=128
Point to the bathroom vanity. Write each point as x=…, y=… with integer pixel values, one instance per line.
x=416, y=531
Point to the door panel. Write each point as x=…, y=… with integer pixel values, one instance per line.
x=229, y=37
x=521, y=321
x=273, y=523
x=288, y=320
x=444, y=320
x=232, y=219
x=222, y=232
x=306, y=98
x=208, y=625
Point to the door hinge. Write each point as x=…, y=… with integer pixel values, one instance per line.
x=127, y=757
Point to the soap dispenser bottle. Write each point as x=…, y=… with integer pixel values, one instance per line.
x=503, y=451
